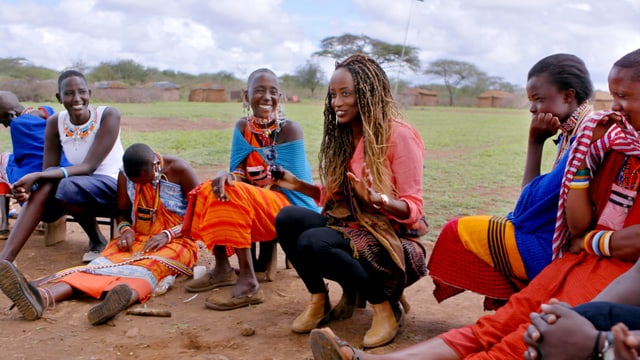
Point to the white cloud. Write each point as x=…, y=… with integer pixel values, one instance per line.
x=502, y=37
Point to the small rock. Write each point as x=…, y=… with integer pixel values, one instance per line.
x=247, y=331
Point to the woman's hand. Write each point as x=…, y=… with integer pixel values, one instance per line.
x=22, y=188
x=126, y=239
x=543, y=126
x=576, y=245
x=624, y=343
x=218, y=183
x=287, y=180
x=604, y=124
x=156, y=242
x=363, y=188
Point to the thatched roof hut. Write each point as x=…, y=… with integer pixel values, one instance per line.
x=418, y=97
x=601, y=100
x=208, y=92
x=495, y=98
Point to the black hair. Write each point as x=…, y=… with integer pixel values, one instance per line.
x=566, y=72
x=258, y=72
x=67, y=74
x=630, y=61
x=136, y=158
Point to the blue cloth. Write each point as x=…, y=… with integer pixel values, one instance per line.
x=27, y=138
x=534, y=218
x=603, y=315
x=290, y=155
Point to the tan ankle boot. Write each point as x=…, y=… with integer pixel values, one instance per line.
x=384, y=326
x=313, y=314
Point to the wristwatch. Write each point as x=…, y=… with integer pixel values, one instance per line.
x=607, y=352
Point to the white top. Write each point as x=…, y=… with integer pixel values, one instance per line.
x=76, y=141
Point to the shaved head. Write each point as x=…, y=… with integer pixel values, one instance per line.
x=10, y=107
x=8, y=101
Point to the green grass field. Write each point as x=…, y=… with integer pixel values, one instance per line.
x=473, y=165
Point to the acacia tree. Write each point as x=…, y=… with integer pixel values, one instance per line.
x=309, y=76
x=387, y=55
x=454, y=74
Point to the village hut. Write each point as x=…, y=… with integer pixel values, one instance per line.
x=418, y=97
x=601, y=100
x=111, y=91
x=162, y=91
x=208, y=92
x=495, y=99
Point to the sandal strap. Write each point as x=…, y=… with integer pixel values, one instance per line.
x=357, y=354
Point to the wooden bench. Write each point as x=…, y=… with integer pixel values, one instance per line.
x=56, y=231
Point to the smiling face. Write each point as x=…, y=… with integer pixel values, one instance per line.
x=75, y=95
x=344, y=101
x=545, y=97
x=626, y=93
x=264, y=95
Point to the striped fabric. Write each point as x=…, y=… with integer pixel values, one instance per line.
x=180, y=250
x=248, y=216
x=625, y=140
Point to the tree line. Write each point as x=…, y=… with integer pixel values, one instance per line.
x=451, y=77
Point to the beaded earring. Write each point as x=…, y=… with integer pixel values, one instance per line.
x=157, y=173
x=246, y=109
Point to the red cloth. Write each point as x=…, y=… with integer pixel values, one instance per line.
x=452, y=267
x=572, y=278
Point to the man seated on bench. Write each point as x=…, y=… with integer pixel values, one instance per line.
x=26, y=125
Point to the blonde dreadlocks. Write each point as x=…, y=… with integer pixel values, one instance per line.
x=377, y=110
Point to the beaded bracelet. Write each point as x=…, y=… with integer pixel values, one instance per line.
x=598, y=242
x=587, y=241
x=123, y=225
x=168, y=233
x=583, y=172
x=579, y=182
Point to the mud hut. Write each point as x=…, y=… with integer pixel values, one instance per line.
x=208, y=92
x=601, y=100
x=495, y=99
x=418, y=97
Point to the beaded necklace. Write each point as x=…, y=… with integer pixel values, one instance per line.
x=629, y=178
x=263, y=129
x=80, y=132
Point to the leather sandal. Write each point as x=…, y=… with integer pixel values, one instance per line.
x=222, y=300
x=327, y=346
x=209, y=282
x=23, y=295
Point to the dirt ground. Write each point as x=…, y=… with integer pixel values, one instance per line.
x=192, y=331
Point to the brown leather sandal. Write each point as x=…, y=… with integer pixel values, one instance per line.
x=327, y=346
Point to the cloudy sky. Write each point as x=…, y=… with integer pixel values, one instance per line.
x=501, y=37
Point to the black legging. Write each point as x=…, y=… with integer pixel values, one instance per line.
x=318, y=252
x=603, y=315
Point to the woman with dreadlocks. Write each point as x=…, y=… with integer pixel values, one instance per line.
x=366, y=239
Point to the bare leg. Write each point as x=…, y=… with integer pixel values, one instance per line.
x=247, y=282
x=30, y=216
x=434, y=349
x=89, y=224
x=4, y=212
x=222, y=265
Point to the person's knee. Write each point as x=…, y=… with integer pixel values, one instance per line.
x=286, y=216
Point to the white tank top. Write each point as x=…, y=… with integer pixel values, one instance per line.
x=76, y=140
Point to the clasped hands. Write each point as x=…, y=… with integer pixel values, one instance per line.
x=559, y=332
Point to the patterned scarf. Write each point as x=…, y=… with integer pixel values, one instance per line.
x=623, y=139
